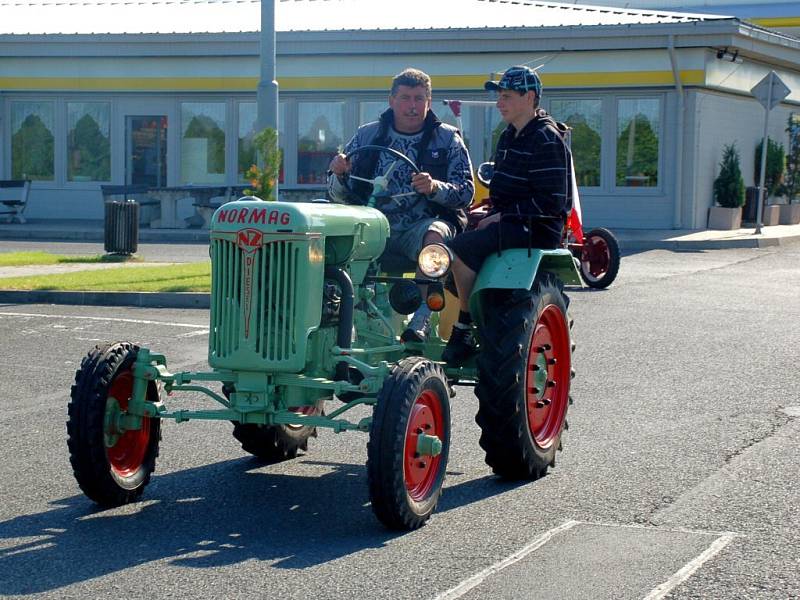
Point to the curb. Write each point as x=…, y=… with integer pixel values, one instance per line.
x=678, y=245
x=137, y=299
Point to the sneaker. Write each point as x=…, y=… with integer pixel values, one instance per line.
x=418, y=327
x=460, y=346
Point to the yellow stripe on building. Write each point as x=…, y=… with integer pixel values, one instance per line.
x=295, y=84
x=777, y=22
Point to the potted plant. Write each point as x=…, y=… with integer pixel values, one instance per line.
x=728, y=192
x=773, y=177
x=263, y=180
x=790, y=212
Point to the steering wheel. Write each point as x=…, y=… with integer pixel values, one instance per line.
x=380, y=183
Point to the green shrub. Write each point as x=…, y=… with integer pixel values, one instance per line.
x=264, y=178
x=729, y=184
x=776, y=162
x=791, y=184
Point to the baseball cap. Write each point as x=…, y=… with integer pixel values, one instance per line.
x=519, y=78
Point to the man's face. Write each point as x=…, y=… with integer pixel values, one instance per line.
x=410, y=106
x=512, y=106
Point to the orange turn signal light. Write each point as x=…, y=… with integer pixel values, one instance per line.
x=435, y=301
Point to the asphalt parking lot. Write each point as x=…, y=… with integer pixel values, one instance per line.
x=678, y=476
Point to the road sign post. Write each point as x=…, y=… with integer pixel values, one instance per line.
x=769, y=92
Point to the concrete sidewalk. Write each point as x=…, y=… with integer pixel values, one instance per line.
x=165, y=244
x=630, y=239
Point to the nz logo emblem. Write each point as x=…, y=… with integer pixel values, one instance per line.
x=249, y=242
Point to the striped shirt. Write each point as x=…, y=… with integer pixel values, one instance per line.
x=531, y=174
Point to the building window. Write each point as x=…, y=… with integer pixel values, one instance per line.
x=584, y=117
x=32, y=141
x=638, y=127
x=203, y=142
x=320, y=128
x=88, y=141
x=370, y=111
x=248, y=111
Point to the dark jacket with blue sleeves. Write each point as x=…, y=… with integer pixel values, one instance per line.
x=440, y=152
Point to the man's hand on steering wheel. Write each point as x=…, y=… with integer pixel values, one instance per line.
x=423, y=183
x=340, y=165
x=380, y=182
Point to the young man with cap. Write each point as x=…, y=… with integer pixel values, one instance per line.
x=428, y=206
x=531, y=179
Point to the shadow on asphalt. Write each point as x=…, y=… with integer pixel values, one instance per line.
x=216, y=515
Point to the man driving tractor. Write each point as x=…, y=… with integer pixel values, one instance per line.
x=426, y=207
x=530, y=194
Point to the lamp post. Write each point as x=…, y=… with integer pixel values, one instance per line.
x=267, y=94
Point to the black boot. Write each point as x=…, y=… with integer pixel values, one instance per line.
x=460, y=346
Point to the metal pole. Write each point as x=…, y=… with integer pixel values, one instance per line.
x=267, y=94
x=764, y=148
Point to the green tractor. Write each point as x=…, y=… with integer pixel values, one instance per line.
x=304, y=327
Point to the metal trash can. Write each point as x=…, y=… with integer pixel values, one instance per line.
x=750, y=204
x=121, y=227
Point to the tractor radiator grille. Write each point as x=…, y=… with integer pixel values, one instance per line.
x=254, y=301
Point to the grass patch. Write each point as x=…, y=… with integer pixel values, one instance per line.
x=187, y=277
x=24, y=259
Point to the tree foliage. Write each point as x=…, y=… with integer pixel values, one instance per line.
x=637, y=152
x=729, y=184
x=32, y=150
x=90, y=151
x=264, y=178
x=791, y=184
x=776, y=162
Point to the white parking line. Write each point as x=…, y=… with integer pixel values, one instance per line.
x=466, y=585
x=117, y=320
x=690, y=567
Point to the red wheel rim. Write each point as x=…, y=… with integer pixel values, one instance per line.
x=595, y=256
x=421, y=472
x=547, y=376
x=127, y=455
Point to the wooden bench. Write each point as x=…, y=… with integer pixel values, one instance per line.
x=206, y=203
x=14, y=198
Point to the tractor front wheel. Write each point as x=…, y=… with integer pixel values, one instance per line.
x=409, y=441
x=524, y=372
x=112, y=467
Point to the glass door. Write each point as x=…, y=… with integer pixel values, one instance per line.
x=146, y=150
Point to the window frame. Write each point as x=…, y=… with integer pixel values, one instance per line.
x=659, y=188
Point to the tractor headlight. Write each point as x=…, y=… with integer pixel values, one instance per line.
x=434, y=260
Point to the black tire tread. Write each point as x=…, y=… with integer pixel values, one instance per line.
x=501, y=376
x=86, y=411
x=613, y=261
x=385, y=448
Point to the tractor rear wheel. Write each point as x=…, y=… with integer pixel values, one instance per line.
x=409, y=441
x=112, y=467
x=599, y=258
x=524, y=372
x=276, y=443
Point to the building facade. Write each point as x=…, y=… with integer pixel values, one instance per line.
x=164, y=95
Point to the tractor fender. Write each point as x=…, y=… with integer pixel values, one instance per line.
x=514, y=269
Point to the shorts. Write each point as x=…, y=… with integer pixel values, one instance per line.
x=473, y=247
x=408, y=243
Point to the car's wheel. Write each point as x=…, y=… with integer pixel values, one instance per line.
x=276, y=443
x=524, y=372
x=112, y=467
x=599, y=258
x=409, y=441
